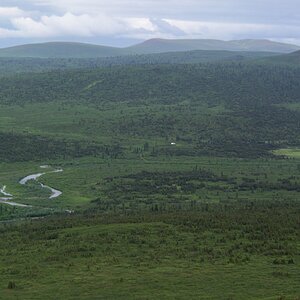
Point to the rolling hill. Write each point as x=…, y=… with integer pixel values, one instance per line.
x=162, y=45
x=286, y=59
x=61, y=50
x=81, y=50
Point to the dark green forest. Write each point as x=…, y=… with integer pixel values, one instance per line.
x=11, y=65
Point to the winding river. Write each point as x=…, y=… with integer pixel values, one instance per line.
x=2, y=191
x=54, y=193
x=8, y=197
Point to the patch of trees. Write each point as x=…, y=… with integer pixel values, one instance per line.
x=21, y=147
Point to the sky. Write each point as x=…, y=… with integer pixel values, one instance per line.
x=125, y=22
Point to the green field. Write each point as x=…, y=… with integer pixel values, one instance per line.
x=290, y=152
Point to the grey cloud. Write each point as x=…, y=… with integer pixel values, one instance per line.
x=165, y=27
x=227, y=19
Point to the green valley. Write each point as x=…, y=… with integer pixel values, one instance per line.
x=180, y=179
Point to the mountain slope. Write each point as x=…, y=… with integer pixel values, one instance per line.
x=162, y=45
x=287, y=59
x=264, y=45
x=60, y=50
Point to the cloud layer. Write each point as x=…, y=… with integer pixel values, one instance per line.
x=143, y=19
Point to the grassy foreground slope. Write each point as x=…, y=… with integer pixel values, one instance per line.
x=243, y=251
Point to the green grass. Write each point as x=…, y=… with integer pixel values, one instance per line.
x=294, y=106
x=289, y=152
x=160, y=257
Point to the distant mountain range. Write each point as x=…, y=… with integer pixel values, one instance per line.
x=161, y=45
x=80, y=50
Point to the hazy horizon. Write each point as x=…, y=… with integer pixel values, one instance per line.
x=123, y=23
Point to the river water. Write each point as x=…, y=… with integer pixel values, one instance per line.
x=8, y=197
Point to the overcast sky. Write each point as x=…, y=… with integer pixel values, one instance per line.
x=124, y=22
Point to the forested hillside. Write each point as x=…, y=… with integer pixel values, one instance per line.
x=249, y=121
x=291, y=59
x=230, y=84
x=20, y=65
